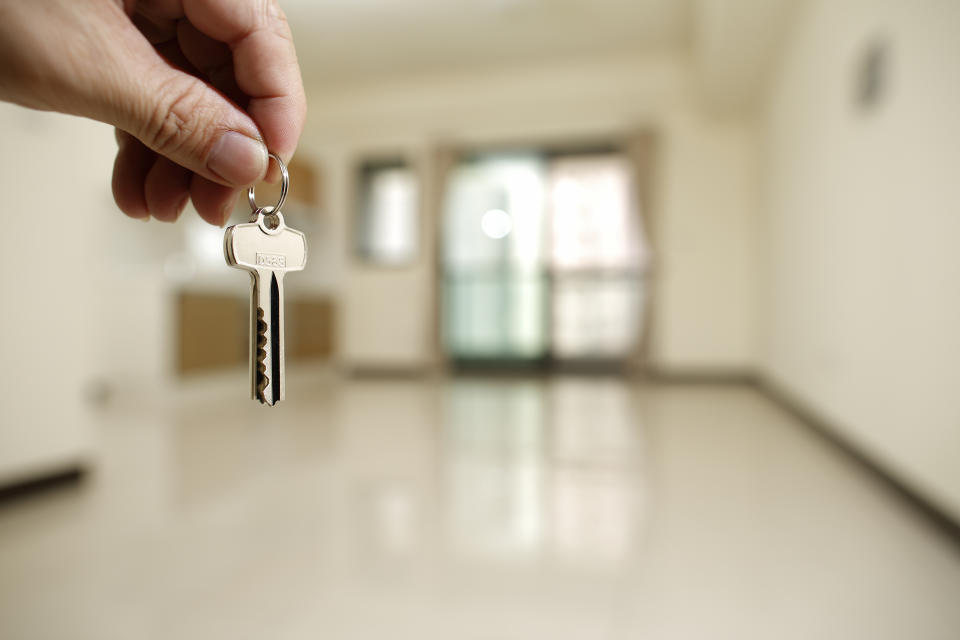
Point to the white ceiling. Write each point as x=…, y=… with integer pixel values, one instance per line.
x=347, y=38
x=730, y=42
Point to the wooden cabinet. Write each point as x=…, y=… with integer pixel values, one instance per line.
x=212, y=330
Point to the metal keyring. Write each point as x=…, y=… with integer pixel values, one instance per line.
x=284, y=185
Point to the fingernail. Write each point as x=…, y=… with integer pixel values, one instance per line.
x=182, y=205
x=238, y=159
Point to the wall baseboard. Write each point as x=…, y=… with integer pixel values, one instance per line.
x=69, y=477
x=917, y=502
x=698, y=376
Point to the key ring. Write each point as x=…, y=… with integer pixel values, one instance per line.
x=284, y=185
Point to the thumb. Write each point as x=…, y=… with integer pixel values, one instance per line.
x=189, y=122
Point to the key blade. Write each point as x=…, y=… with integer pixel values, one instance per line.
x=260, y=379
x=276, y=354
x=267, y=367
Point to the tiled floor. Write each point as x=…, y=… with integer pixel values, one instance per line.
x=471, y=509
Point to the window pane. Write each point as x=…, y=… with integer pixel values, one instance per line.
x=594, y=223
x=387, y=225
x=512, y=186
x=597, y=253
x=595, y=316
x=495, y=288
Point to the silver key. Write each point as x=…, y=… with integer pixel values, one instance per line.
x=267, y=249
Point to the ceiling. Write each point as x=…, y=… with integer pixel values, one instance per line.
x=346, y=38
x=729, y=42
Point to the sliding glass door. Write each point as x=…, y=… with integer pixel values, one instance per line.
x=542, y=259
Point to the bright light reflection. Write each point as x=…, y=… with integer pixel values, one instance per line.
x=496, y=223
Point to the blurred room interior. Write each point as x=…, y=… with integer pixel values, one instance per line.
x=622, y=318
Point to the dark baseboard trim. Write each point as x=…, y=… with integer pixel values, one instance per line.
x=66, y=478
x=916, y=502
x=698, y=376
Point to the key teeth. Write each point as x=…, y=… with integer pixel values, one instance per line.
x=262, y=379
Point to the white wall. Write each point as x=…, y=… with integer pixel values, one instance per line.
x=862, y=229
x=707, y=278
x=54, y=177
x=704, y=189
x=87, y=306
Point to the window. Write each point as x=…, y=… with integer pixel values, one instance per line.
x=387, y=225
x=597, y=254
x=494, y=285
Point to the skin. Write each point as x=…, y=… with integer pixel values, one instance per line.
x=198, y=90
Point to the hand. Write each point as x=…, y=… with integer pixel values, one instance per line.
x=197, y=89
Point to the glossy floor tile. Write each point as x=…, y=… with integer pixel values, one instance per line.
x=470, y=509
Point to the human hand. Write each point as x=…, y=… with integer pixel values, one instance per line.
x=197, y=89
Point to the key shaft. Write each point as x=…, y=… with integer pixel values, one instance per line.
x=267, y=337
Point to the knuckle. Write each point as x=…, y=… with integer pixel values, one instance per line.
x=278, y=16
x=276, y=20
x=172, y=124
x=271, y=10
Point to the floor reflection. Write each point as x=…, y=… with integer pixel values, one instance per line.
x=475, y=508
x=537, y=469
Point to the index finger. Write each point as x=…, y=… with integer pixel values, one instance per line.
x=265, y=63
